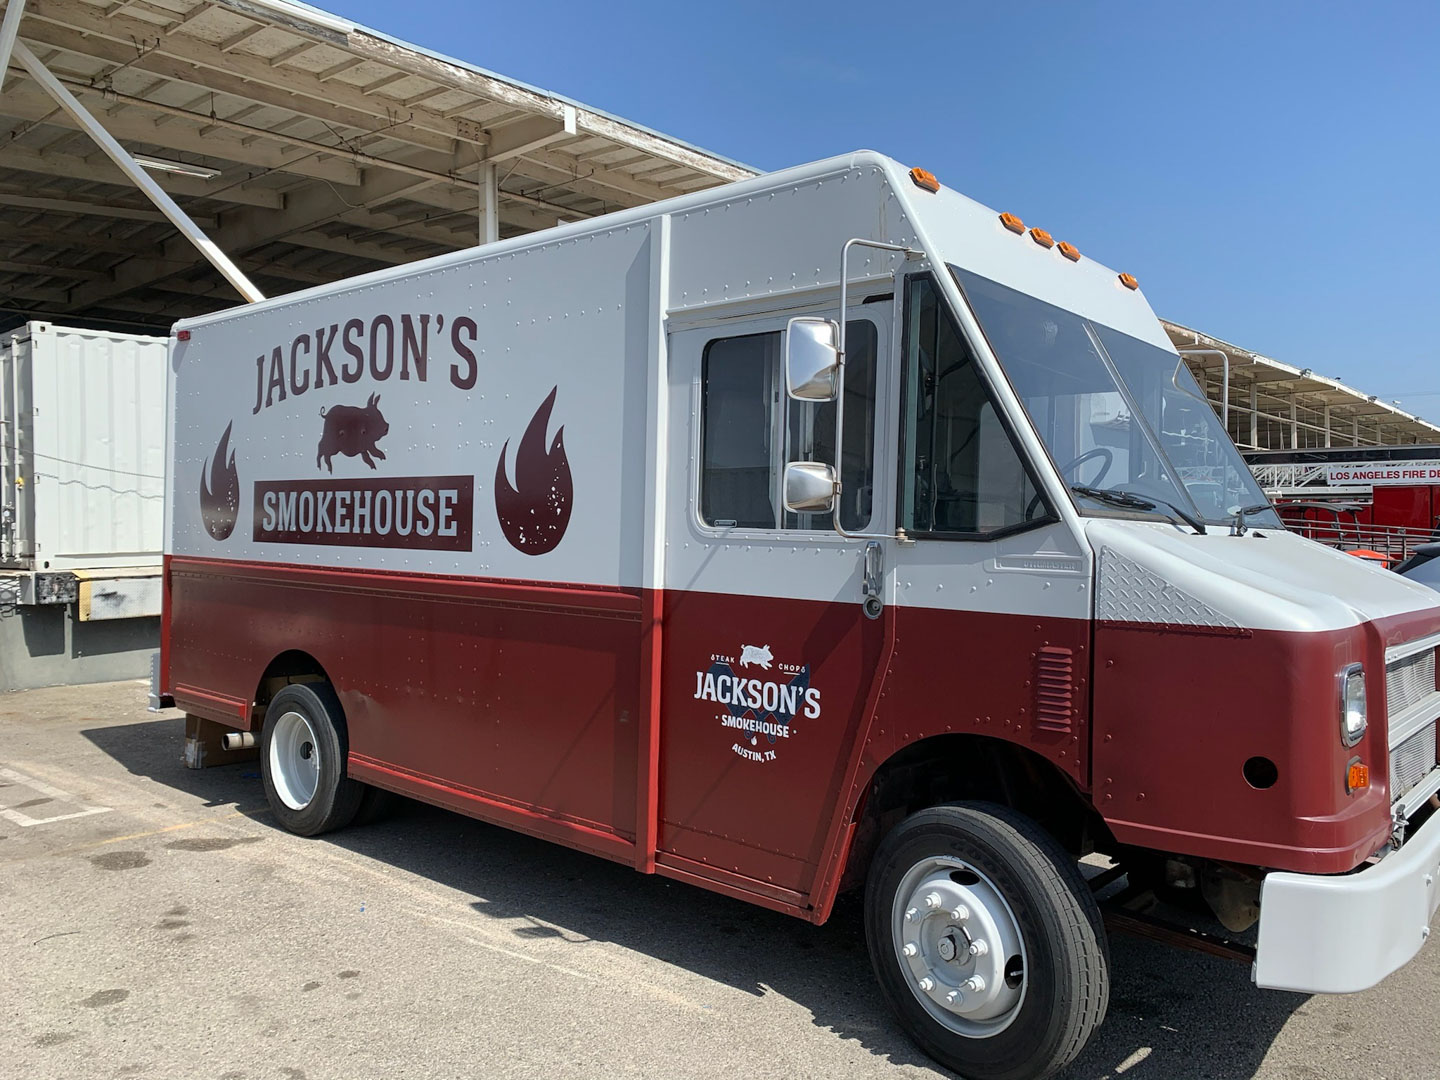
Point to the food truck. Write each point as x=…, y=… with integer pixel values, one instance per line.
x=822, y=531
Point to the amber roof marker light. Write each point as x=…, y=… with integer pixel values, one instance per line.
x=1013, y=223
x=1070, y=251
x=1043, y=238
x=924, y=178
x=1128, y=280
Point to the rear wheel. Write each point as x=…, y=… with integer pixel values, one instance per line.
x=986, y=942
x=302, y=760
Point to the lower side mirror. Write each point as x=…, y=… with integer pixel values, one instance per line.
x=809, y=487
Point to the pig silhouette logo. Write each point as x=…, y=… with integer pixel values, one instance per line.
x=535, y=512
x=756, y=654
x=352, y=431
x=220, y=490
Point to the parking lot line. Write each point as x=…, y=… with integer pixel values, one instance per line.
x=25, y=821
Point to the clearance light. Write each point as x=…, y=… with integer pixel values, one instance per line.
x=1128, y=280
x=1357, y=777
x=182, y=335
x=924, y=178
x=1013, y=223
x=1070, y=251
x=1043, y=238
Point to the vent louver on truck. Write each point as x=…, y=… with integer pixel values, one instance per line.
x=1055, y=689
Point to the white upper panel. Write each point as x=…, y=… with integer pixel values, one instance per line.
x=569, y=317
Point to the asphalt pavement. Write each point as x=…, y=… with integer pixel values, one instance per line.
x=154, y=922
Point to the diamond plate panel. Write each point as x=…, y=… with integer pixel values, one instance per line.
x=1128, y=592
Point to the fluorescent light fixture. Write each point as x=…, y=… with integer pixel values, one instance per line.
x=180, y=167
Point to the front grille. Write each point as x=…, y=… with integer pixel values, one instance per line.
x=1409, y=681
x=1412, y=760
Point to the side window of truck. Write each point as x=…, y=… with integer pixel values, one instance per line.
x=749, y=430
x=962, y=474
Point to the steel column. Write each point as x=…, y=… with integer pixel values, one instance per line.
x=489, y=197
x=118, y=154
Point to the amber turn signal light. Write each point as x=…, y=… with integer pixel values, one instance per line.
x=1013, y=223
x=1070, y=251
x=1043, y=238
x=924, y=178
x=1128, y=280
x=1357, y=776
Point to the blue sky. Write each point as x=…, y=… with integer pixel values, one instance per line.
x=1270, y=171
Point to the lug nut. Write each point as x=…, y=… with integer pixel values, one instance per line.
x=909, y=949
x=932, y=900
x=960, y=914
x=927, y=984
x=975, y=984
x=978, y=947
x=955, y=997
x=911, y=915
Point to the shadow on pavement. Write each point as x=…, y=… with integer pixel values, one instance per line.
x=1173, y=1015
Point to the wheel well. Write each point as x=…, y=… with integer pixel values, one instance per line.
x=955, y=767
x=294, y=666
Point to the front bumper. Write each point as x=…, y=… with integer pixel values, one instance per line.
x=1338, y=934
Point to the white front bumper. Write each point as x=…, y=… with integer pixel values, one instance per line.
x=1338, y=934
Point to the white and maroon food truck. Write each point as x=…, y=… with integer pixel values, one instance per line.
x=818, y=531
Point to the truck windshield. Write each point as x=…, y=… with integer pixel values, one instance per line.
x=1117, y=414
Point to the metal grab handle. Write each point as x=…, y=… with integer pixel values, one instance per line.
x=910, y=253
x=874, y=580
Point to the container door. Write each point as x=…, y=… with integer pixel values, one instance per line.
x=768, y=655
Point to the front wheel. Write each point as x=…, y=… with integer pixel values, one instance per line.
x=302, y=760
x=986, y=942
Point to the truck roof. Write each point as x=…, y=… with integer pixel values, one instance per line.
x=949, y=226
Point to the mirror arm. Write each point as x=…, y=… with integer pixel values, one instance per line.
x=910, y=253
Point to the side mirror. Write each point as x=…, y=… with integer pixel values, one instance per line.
x=809, y=487
x=812, y=359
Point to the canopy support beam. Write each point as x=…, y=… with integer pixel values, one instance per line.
x=127, y=164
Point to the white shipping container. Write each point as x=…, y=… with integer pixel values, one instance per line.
x=82, y=448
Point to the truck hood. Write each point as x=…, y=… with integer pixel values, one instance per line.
x=1268, y=579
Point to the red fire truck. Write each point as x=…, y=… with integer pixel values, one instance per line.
x=1378, y=502
x=827, y=530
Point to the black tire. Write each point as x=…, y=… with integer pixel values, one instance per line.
x=376, y=804
x=1067, y=966
x=336, y=798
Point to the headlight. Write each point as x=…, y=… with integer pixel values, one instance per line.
x=1352, y=704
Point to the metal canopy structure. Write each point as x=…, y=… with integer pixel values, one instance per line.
x=1267, y=405
x=306, y=148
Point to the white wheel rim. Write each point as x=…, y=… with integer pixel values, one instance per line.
x=959, y=947
x=294, y=760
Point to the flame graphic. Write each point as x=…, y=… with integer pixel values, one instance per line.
x=534, y=513
x=220, y=490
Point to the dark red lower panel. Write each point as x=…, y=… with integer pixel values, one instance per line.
x=751, y=791
x=1179, y=712
x=534, y=706
x=520, y=692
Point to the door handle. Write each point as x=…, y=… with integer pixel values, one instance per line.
x=873, y=581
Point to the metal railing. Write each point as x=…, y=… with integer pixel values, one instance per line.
x=1392, y=541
